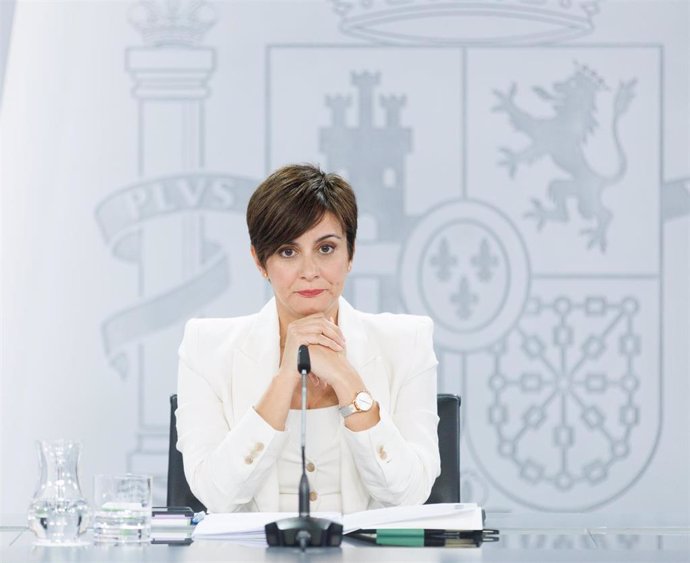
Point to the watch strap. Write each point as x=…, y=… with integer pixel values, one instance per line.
x=352, y=408
x=347, y=410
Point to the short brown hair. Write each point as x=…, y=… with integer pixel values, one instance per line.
x=292, y=200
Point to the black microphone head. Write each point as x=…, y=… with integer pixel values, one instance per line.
x=303, y=361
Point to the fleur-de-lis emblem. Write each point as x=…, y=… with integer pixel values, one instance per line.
x=465, y=299
x=443, y=260
x=484, y=261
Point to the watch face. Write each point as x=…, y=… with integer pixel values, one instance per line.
x=363, y=401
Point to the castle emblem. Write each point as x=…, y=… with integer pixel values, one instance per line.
x=372, y=157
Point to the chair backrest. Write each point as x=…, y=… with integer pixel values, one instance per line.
x=445, y=489
x=179, y=493
x=447, y=485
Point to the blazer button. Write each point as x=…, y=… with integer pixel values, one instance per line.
x=382, y=453
x=249, y=460
x=259, y=446
x=313, y=496
x=310, y=467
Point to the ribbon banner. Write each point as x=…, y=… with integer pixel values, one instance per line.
x=123, y=219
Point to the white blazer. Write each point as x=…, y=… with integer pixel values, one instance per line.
x=230, y=452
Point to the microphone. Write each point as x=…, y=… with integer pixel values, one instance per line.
x=304, y=531
x=304, y=367
x=303, y=360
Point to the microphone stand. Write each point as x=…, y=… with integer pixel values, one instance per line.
x=303, y=530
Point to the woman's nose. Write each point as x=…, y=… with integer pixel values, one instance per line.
x=310, y=268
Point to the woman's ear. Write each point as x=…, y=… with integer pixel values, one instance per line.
x=259, y=267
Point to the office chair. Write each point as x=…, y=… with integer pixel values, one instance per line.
x=179, y=493
x=447, y=485
x=445, y=489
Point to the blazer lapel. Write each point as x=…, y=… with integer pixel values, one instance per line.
x=365, y=358
x=363, y=353
x=256, y=360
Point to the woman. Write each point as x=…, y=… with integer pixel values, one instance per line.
x=371, y=426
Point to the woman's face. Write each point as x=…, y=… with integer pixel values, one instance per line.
x=308, y=274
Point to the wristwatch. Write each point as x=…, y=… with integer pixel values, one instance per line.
x=361, y=403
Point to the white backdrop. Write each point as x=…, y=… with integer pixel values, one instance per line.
x=522, y=170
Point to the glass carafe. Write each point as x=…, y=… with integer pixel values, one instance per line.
x=59, y=513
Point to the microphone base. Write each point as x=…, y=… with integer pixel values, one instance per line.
x=304, y=531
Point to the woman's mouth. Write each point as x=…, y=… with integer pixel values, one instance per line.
x=311, y=292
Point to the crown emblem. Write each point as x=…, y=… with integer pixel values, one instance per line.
x=172, y=22
x=591, y=76
x=466, y=22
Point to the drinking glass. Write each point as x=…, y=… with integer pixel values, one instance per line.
x=122, y=508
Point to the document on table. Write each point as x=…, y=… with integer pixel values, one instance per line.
x=444, y=516
x=248, y=527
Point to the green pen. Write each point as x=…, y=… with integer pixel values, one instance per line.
x=410, y=538
x=419, y=537
x=403, y=537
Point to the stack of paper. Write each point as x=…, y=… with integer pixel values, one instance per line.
x=445, y=516
x=171, y=525
x=248, y=527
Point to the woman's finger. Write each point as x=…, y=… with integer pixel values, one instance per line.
x=327, y=342
x=318, y=324
x=320, y=340
x=333, y=332
x=316, y=334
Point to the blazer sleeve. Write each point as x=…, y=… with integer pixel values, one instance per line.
x=224, y=465
x=398, y=459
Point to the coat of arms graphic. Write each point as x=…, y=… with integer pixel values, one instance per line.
x=557, y=358
x=501, y=176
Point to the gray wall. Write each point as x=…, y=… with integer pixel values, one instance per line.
x=522, y=171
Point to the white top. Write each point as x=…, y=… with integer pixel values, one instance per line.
x=322, y=461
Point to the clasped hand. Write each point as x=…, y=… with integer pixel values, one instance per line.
x=326, y=349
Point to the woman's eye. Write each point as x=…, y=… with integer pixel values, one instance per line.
x=286, y=252
x=326, y=248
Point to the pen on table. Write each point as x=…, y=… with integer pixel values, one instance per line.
x=414, y=537
x=198, y=517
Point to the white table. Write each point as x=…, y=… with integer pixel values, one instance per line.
x=533, y=537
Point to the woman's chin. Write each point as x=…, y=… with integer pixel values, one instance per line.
x=306, y=307
x=306, y=311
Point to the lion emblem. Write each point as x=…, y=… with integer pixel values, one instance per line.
x=563, y=137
